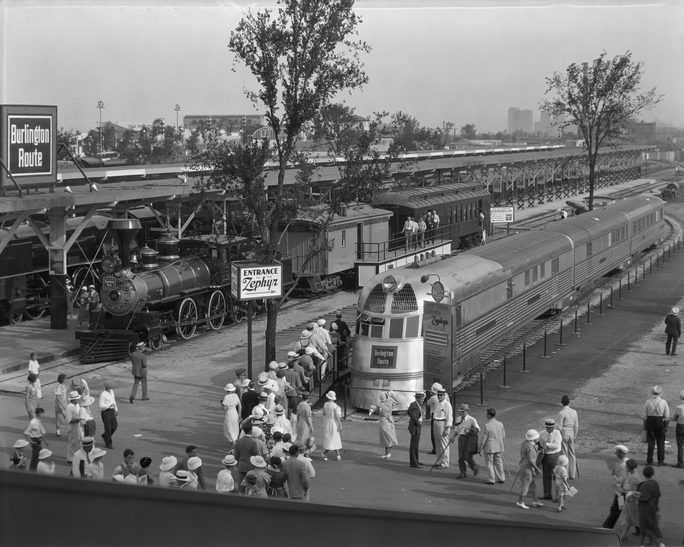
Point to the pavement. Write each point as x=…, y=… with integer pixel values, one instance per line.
x=607, y=370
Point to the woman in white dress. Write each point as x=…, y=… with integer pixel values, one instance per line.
x=388, y=432
x=231, y=423
x=331, y=426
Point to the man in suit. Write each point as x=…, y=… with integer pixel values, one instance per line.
x=245, y=448
x=568, y=424
x=139, y=371
x=492, y=447
x=673, y=329
x=415, y=414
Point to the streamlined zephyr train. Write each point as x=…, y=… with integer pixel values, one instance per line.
x=432, y=320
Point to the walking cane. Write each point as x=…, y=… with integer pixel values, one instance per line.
x=514, y=481
x=434, y=465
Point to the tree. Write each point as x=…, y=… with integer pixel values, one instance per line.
x=302, y=54
x=599, y=100
x=68, y=138
x=468, y=131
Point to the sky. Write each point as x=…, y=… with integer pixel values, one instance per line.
x=438, y=60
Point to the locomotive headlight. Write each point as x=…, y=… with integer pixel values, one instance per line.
x=114, y=295
x=389, y=284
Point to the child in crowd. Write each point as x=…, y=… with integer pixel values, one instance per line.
x=560, y=481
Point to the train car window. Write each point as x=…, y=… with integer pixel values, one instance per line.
x=376, y=300
x=404, y=300
x=396, y=328
x=365, y=327
x=458, y=313
x=509, y=289
x=527, y=278
x=535, y=274
x=344, y=238
x=590, y=249
x=376, y=331
x=542, y=270
x=413, y=326
x=555, y=266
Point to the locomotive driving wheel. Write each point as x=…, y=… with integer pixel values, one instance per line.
x=216, y=313
x=156, y=342
x=187, y=319
x=15, y=318
x=37, y=298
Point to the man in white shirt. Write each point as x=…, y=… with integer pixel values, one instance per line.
x=550, y=441
x=443, y=420
x=568, y=425
x=431, y=405
x=108, y=411
x=82, y=459
x=656, y=418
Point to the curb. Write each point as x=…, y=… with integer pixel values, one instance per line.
x=43, y=358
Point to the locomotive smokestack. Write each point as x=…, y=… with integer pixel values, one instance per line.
x=124, y=229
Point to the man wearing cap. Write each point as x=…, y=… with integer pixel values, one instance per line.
x=431, y=405
x=296, y=475
x=568, y=425
x=550, y=440
x=656, y=416
x=415, y=414
x=73, y=418
x=245, y=448
x=492, y=446
x=139, y=371
x=679, y=430
x=618, y=472
x=82, y=459
x=467, y=429
x=529, y=452
x=108, y=412
x=673, y=329
x=444, y=419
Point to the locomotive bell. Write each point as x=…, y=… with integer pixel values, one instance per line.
x=124, y=229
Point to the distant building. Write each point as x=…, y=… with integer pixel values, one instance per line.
x=230, y=124
x=640, y=132
x=543, y=126
x=520, y=120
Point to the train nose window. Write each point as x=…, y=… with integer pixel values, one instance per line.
x=404, y=300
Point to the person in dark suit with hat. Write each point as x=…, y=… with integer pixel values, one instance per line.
x=415, y=414
x=139, y=371
x=467, y=429
x=673, y=329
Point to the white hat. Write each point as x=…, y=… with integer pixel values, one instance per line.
x=436, y=387
x=20, y=443
x=306, y=334
x=91, y=286
x=182, y=475
x=292, y=354
x=257, y=413
x=168, y=463
x=309, y=350
x=321, y=322
x=74, y=396
x=282, y=365
x=331, y=395
x=657, y=390
x=622, y=448
x=245, y=382
x=229, y=460
x=140, y=345
x=273, y=365
x=263, y=378
x=675, y=310
x=277, y=429
x=257, y=461
x=45, y=453
x=532, y=435
x=229, y=387
x=87, y=400
x=97, y=453
x=194, y=463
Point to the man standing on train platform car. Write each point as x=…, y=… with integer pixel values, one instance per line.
x=550, y=440
x=443, y=421
x=673, y=329
x=430, y=225
x=435, y=222
x=467, y=430
x=415, y=414
x=139, y=371
x=408, y=233
x=568, y=425
x=656, y=416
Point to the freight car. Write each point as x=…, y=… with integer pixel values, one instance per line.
x=432, y=320
x=458, y=205
x=176, y=287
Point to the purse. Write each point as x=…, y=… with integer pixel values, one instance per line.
x=644, y=436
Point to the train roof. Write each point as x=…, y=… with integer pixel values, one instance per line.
x=443, y=192
x=636, y=205
x=521, y=249
x=351, y=212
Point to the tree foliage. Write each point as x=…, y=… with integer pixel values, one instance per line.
x=600, y=99
x=468, y=131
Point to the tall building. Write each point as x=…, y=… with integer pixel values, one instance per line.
x=520, y=120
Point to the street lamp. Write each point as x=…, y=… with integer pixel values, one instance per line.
x=100, y=106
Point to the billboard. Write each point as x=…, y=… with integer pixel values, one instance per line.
x=28, y=144
x=502, y=215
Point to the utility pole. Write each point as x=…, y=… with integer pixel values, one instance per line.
x=100, y=106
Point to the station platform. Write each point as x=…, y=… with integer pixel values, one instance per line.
x=607, y=370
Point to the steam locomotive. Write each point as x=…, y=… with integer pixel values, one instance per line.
x=177, y=286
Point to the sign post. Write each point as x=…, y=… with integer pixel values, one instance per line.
x=251, y=281
x=502, y=215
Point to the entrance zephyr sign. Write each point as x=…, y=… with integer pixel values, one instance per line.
x=253, y=281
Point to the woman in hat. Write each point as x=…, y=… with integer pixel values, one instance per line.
x=332, y=426
x=304, y=428
x=45, y=464
x=181, y=480
x=31, y=394
x=61, y=403
x=194, y=465
x=166, y=477
x=529, y=451
x=87, y=419
x=630, y=512
x=281, y=420
x=73, y=416
x=34, y=368
x=231, y=422
x=95, y=469
x=35, y=434
x=18, y=457
x=258, y=478
x=225, y=482
x=388, y=433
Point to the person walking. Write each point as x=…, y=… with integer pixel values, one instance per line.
x=73, y=417
x=467, y=430
x=82, y=459
x=673, y=329
x=492, y=447
x=656, y=416
x=245, y=448
x=35, y=435
x=618, y=471
x=139, y=371
x=443, y=421
x=630, y=512
x=679, y=430
x=332, y=426
x=304, y=427
x=296, y=475
x=34, y=367
x=387, y=430
x=550, y=440
x=87, y=419
x=225, y=482
x=249, y=399
x=31, y=394
x=231, y=421
x=568, y=425
x=649, y=506
x=109, y=410
x=415, y=414
x=61, y=403
x=529, y=452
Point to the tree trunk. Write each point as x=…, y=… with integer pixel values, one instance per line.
x=272, y=309
x=592, y=180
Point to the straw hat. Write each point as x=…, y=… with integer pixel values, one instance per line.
x=257, y=461
x=532, y=435
x=331, y=395
x=229, y=460
x=168, y=463
x=229, y=387
x=44, y=454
